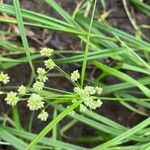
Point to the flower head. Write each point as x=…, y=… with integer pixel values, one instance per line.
x=43, y=115
x=81, y=92
x=35, y=102
x=87, y=95
x=41, y=71
x=83, y=108
x=22, y=90
x=4, y=78
x=91, y=90
x=92, y=104
x=49, y=64
x=12, y=98
x=98, y=90
x=47, y=52
x=75, y=75
x=41, y=74
x=38, y=85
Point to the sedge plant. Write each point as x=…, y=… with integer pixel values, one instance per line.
x=100, y=41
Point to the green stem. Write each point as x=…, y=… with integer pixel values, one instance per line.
x=16, y=118
x=87, y=47
x=51, y=125
x=22, y=32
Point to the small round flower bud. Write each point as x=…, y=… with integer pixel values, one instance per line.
x=99, y=103
x=98, y=90
x=75, y=75
x=49, y=64
x=77, y=90
x=86, y=95
x=22, y=90
x=38, y=86
x=12, y=98
x=46, y=52
x=4, y=78
x=81, y=92
x=35, y=102
x=42, y=74
x=41, y=71
x=43, y=115
x=91, y=90
x=83, y=108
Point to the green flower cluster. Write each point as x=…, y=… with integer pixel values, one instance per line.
x=35, y=101
x=49, y=64
x=4, y=78
x=75, y=75
x=12, y=98
x=46, y=52
x=42, y=74
x=87, y=95
x=22, y=90
x=43, y=115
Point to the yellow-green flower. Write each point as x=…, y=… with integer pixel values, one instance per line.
x=75, y=75
x=12, y=98
x=43, y=115
x=46, y=52
x=35, y=102
x=4, y=78
x=22, y=90
x=49, y=64
x=98, y=90
x=42, y=74
x=38, y=85
x=87, y=95
x=91, y=90
x=83, y=108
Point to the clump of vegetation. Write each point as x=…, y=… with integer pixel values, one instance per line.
x=88, y=81
x=35, y=101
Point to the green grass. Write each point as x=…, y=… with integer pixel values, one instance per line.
x=100, y=41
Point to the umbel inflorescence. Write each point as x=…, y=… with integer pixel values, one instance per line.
x=36, y=102
x=87, y=94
